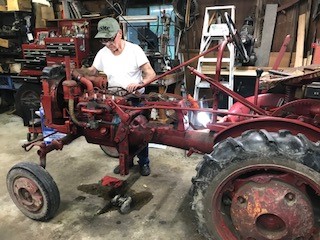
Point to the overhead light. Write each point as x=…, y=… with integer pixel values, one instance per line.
x=44, y=2
x=138, y=18
x=203, y=118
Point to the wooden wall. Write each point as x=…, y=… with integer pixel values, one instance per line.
x=286, y=22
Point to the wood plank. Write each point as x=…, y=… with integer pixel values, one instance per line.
x=285, y=62
x=298, y=76
x=263, y=52
x=238, y=71
x=4, y=43
x=258, y=23
x=300, y=40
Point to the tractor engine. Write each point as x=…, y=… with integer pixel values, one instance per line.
x=82, y=107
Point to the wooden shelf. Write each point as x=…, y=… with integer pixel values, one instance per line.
x=238, y=71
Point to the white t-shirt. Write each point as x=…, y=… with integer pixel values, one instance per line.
x=122, y=69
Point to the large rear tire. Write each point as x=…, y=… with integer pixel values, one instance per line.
x=260, y=185
x=33, y=191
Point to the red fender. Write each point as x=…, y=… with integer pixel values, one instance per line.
x=271, y=124
x=265, y=101
x=303, y=107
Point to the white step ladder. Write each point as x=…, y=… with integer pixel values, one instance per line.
x=212, y=34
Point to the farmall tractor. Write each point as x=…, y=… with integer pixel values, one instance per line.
x=260, y=176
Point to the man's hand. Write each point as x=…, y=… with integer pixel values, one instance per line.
x=133, y=86
x=100, y=82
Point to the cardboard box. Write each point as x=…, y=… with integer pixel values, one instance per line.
x=15, y=67
x=43, y=13
x=4, y=43
x=19, y=5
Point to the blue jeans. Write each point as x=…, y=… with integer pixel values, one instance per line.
x=144, y=156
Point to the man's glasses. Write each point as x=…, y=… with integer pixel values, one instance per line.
x=108, y=40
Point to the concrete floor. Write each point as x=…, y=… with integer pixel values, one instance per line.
x=162, y=212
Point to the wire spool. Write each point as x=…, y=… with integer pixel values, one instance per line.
x=180, y=7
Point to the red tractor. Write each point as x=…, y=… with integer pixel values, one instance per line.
x=260, y=176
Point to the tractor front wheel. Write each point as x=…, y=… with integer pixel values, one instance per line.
x=260, y=185
x=33, y=191
x=110, y=151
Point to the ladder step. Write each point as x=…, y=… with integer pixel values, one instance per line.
x=213, y=32
x=220, y=7
x=219, y=30
x=213, y=60
x=214, y=36
x=204, y=84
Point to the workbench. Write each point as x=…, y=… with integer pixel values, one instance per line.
x=238, y=71
x=162, y=84
x=170, y=79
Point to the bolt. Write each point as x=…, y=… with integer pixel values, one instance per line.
x=241, y=200
x=290, y=196
x=226, y=201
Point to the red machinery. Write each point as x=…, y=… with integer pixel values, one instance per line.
x=260, y=177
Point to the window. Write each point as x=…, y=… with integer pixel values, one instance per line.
x=154, y=36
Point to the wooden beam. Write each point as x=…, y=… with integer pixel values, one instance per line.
x=287, y=5
x=300, y=40
x=263, y=52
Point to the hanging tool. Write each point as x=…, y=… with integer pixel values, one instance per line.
x=187, y=18
x=282, y=7
x=316, y=12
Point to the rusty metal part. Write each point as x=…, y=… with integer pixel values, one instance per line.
x=28, y=194
x=309, y=109
x=271, y=124
x=54, y=145
x=281, y=52
x=266, y=101
x=267, y=208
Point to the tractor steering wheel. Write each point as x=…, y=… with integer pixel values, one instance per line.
x=117, y=91
x=236, y=39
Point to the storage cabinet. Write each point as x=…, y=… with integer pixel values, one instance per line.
x=13, y=32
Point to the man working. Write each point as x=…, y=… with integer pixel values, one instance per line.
x=125, y=65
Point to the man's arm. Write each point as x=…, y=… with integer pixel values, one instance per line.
x=91, y=73
x=147, y=75
x=79, y=72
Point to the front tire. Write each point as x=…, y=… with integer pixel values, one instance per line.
x=110, y=151
x=33, y=191
x=260, y=185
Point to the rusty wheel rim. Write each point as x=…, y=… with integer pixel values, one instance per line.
x=28, y=194
x=239, y=211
